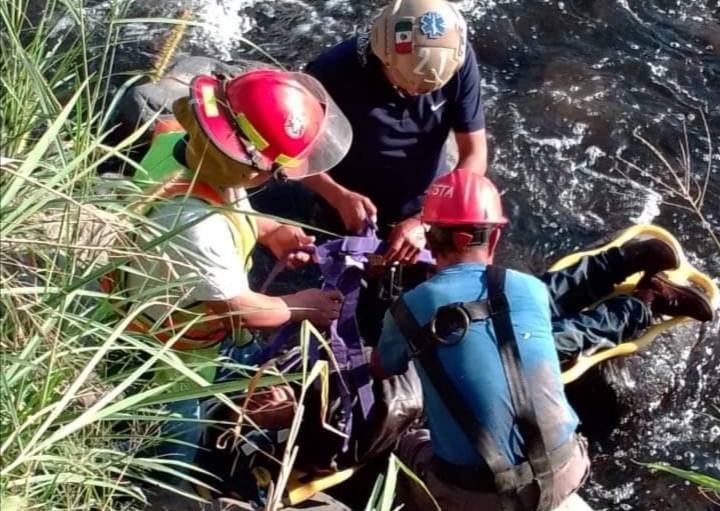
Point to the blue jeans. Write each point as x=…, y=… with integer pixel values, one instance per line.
x=610, y=322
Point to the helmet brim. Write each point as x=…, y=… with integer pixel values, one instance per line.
x=334, y=138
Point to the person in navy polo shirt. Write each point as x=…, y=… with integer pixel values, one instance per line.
x=403, y=87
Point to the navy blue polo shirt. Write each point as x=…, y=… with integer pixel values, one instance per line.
x=398, y=142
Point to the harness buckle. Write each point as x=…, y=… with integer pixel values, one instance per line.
x=391, y=285
x=448, y=319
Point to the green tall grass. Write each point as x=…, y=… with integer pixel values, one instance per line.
x=73, y=434
x=77, y=411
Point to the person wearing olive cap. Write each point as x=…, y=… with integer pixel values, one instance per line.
x=229, y=134
x=485, y=342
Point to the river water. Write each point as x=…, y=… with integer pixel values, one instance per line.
x=568, y=87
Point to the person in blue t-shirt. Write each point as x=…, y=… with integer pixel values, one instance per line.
x=484, y=341
x=467, y=375
x=404, y=87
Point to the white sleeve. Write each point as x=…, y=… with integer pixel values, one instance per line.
x=206, y=249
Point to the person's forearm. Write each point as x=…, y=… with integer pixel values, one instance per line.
x=475, y=161
x=472, y=151
x=325, y=187
x=265, y=226
x=256, y=310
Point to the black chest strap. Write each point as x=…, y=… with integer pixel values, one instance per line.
x=507, y=478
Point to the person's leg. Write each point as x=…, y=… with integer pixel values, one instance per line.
x=181, y=437
x=570, y=477
x=594, y=277
x=611, y=322
x=415, y=451
x=587, y=281
x=623, y=317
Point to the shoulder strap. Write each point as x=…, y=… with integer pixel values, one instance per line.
x=536, y=450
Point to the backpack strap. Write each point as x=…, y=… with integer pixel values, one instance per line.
x=447, y=319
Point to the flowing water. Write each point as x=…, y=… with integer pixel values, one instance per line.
x=568, y=87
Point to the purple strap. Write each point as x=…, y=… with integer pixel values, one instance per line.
x=341, y=264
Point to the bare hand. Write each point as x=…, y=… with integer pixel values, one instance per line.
x=354, y=209
x=406, y=241
x=319, y=307
x=288, y=241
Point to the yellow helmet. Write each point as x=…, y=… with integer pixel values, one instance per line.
x=420, y=42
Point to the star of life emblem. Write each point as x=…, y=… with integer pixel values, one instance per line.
x=432, y=25
x=295, y=125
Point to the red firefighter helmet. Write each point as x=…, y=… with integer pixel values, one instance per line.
x=271, y=119
x=462, y=197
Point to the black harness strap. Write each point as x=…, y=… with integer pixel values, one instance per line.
x=537, y=452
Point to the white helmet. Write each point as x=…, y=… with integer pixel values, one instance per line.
x=421, y=42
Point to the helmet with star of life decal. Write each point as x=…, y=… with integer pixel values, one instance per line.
x=422, y=43
x=272, y=120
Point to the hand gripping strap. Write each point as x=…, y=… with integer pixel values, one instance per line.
x=340, y=261
x=536, y=450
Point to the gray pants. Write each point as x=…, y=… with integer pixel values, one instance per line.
x=416, y=451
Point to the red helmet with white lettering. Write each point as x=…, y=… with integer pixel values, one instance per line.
x=272, y=120
x=462, y=197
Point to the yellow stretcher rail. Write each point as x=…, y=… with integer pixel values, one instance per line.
x=299, y=490
x=684, y=274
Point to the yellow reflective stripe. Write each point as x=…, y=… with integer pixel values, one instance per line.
x=287, y=161
x=209, y=101
x=251, y=133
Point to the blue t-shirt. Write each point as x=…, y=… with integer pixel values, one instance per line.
x=398, y=143
x=474, y=365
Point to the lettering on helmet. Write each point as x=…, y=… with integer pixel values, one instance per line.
x=442, y=191
x=295, y=125
x=432, y=25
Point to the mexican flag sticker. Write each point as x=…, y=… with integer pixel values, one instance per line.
x=403, y=37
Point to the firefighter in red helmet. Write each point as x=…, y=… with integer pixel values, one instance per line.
x=485, y=340
x=229, y=133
